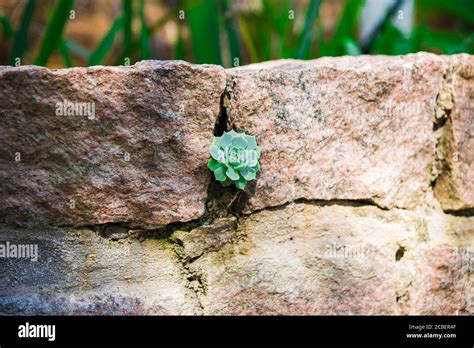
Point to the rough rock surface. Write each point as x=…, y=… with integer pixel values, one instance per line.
x=206, y=238
x=364, y=202
x=78, y=272
x=300, y=259
x=455, y=185
x=139, y=158
x=353, y=128
x=336, y=259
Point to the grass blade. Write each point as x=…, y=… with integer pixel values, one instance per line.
x=345, y=30
x=351, y=47
x=127, y=24
x=20, y=42
x=283, y=22
x=179, y=49
x=144, y=37
x=307, y=34
x=101, y=51
x=54, y=30
x=6, y=27
x=63, y=49
x=204, y=29
x=230, y=27
x=77, y=49
x=247, y=39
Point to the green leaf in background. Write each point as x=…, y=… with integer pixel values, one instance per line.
x=284, y=25
x=127, y=24
x=64, y=51
x=445, y=42
x=463, y=9
x=307, y=34
x=217, y=31
x=20, y=42
x=391, y=41
x=351, y=47
x=248, y=40
x=230, y=26
x=144, y=37
x=346, y=29
x=203, y=25
x=6, y=27
x=263, y=27
x=75, y=48
x=101, y=51
x=179, y=50
x=54, y=30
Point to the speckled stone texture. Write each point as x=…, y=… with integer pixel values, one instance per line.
x=80, y=273
x=364, y=203
x=299, y=259
x=455, y=185
x=353, y=128
x=308, y=259
x=140, y=159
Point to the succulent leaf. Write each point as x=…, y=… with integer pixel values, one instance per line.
x=216, y=153
x=240, y=166
x=225, y=140
x=240, y=184
x=248, y=174
x=234, y=158
x=213, y=164
x=257, y=150
x=219, y=174
x=232, y=174
x=239, y=141
x=256, y=168
x=251, y=142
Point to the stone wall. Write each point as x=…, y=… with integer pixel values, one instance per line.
x=364, y=203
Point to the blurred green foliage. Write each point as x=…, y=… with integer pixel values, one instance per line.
x=219, y=32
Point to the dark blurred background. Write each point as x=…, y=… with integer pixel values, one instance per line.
x=66, y=33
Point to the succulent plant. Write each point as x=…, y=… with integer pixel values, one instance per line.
x=234, y=158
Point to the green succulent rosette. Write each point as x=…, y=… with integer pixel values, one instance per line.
x=234, y=158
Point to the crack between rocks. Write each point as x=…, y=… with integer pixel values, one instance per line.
x=442, y=129
x=222, y=119
x=195, y=280
x=443, y=132
x=469, y=212
x=322, y=203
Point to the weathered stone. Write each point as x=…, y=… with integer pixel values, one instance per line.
x=139, y=158
x=206, y=238
x=301, y=259
x=455, y=185
x=79, y=272
x=396, y=132
x=352, y=128
x=335, y=259
x=115, y=232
